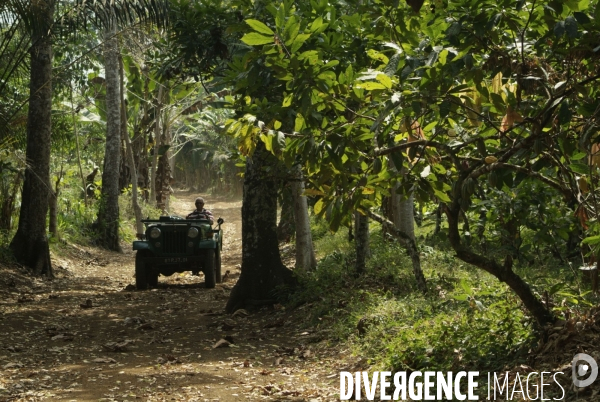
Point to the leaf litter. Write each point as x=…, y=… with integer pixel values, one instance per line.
x=88, y=335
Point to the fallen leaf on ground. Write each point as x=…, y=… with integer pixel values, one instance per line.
x=228, y=325
x=221, y=343
x=240, y=313
x=64, y=337
x=146, y=326
x=133, y=321
x=12, y=365
x=104, y=360
x=117, y=346
x=87, y=304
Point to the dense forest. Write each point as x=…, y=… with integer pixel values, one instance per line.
x=406, y=186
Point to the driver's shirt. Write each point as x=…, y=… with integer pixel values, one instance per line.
x=204, y=214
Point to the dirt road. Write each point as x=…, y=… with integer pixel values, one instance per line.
x=86, y=336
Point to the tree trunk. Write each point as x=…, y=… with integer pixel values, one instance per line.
x=140, y=156
x=30, y=244
x=262, y=269
x=287, y=225
x=189, y=177
x=402, y=226
x=305, y=254
x=409, y=244
x=361, y=241
x=504, y=273
x=124, y=168
x=76, y=135
x=53, y=211
x=164, y=174
x=137, y=211
x=163, y=180
x=466, y=228
x=403, y=213
x=438, y=219
x=157, y=141
x=139, y=145
x=107, y=224
x=53, y=205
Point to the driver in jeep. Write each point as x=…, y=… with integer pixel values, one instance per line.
x=200, y=212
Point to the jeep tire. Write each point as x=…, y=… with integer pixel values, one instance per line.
x=218, y=265
x=152, y=277
x=209, y=269
x=141, y=274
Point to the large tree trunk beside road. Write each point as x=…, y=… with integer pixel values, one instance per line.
x=262, y=269
x=107, y=224
x=30, y=244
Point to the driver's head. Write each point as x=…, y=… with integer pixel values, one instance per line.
x=199, y=203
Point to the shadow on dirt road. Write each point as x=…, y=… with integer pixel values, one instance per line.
x=86, y=336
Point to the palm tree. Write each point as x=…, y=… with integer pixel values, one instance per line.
x=30, y=243
x=107, y=224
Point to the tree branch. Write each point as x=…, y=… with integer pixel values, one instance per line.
x=501, y=165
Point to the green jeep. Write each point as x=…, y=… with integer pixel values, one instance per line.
x=173, y=244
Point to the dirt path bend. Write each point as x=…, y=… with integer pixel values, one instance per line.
x=86, y=336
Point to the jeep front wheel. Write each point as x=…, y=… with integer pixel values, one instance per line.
x=209, y=269
x=152, y=277
x=141, y=273
x=218, y=265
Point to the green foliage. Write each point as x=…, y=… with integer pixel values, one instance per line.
x=74, y=217
x=424, y=76
x=453, y=335
x=477, y=106
x=204, y=33
x=468, y=320
x=127, y=230
x=319, y=229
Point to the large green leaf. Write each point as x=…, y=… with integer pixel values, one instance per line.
x=298, y=42
x=254, y=39
x=260, y=27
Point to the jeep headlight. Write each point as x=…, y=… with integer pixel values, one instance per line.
x=193, y=232
x=154, y=233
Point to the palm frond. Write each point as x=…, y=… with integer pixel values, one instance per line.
x=20, y=22
x=84, y=14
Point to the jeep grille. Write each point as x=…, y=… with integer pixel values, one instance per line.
x=174, y=242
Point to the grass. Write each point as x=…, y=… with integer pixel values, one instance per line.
x=468, y=320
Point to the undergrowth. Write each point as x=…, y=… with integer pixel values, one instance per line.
x=127, y=226
x=468, y=319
